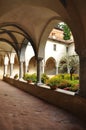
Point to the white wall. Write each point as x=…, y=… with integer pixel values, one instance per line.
x=49, y=52
x=71, y=50
x=60, y=50
x=29, y=53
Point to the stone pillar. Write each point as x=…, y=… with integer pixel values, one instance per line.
x=56, y=68
x=5, y=70
x=42, y=66
x=5, y=65
x=11, y=70
x=39, y=69
x=21, y=60
x=26, y=66
x=21, y=70
x=82, y=90
x=12, y=56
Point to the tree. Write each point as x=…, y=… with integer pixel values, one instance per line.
x=63, y=65
x=66, y=30
x=73, y=64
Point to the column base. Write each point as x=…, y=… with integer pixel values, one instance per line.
x=21, y=79
x=39, y=83
x=11, y=77
x=4, y=75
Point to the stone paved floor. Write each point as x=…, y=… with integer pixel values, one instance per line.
x=21, y=111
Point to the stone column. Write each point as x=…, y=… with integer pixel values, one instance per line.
x=82, y=90
x=5, y=65
x=11, y=70
x=12, y=56
x=56, y=68
x=5, y=70
x=21, y=70
x=42, y=66
x=39, y=69
x=21, y=60
x=26, y=66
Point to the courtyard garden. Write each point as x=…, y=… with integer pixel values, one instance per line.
x=62, y=81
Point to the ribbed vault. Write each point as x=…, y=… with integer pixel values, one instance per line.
x=34, y=20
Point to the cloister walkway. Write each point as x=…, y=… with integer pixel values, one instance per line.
x=21, y=111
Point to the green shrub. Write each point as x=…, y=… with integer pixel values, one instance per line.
x=75, y=76
x=31, y=77
x=71, y=85
x=74, y=88
x=63, y=84
x=44, y=78
x=27, y=76
x=63, y=81
x=54, y=81
x=73, y=82
x=67, y=76
x=15, y=76
x=60, y=76
x=34, y=78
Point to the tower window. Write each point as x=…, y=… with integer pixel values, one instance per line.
x=54, y=47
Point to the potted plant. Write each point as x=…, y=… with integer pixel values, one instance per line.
x=16, y=76
x=27, y=77
x=30, y=77
x=44, y=78
x=29, y=81
x=53, y=83
x=53, y=86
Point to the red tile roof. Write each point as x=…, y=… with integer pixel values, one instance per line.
x=57, y=35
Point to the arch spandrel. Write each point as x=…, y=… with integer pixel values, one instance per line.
x=49, y=26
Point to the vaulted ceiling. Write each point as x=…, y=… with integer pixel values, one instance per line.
x=34, y=20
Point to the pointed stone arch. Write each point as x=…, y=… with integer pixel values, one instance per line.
x=48, y=28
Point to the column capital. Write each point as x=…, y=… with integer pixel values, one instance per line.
x=40, y=58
